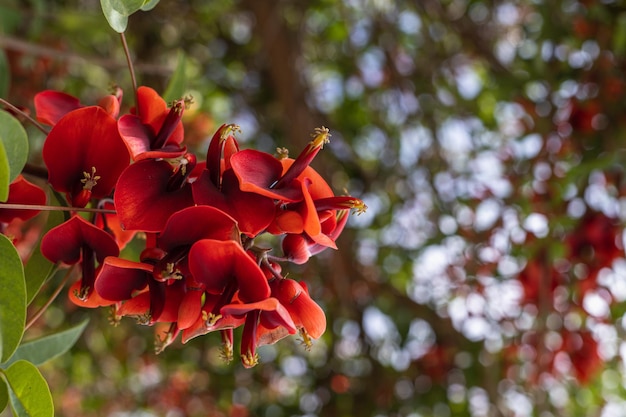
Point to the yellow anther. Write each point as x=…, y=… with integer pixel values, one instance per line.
x=321, y=136
x=90, y=180
x=282, y=153
x=249, y=360
x=306, y=339
x=210, y=319
x=229, y=129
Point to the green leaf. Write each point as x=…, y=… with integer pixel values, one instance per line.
x=116, y=20
x=28, y=391
x=38, y=268
x=45, y=348
x=5, y=172
x=5, y=74
x=149, y=5
x=4, y=395
x=12, y=299
x=126, y=7
x=178, y=83
x=15, y=141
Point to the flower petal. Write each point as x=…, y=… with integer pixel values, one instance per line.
x=142, y=198
x=119, y=279
x=81, y=141
x=215, y=263
x=64, y=242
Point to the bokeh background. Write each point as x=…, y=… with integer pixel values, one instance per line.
x=487, y=138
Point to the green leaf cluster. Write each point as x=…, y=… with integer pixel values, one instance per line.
x=21, y=384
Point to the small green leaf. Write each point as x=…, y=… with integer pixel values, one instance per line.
x=38, y=268
x=15, y=141
x=45, y=348
x=5, y=173
x=12, y=299
x=4, y=395
x=149, y=5
x=126, y=7
x=116, y=20
x=5, y=74
x=178, y=83
x=28, y=391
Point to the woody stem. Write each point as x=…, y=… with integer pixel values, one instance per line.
x=14, y=206
x=131, y=69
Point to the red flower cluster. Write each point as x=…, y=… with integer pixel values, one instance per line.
x=200, y=270
x=594, y=244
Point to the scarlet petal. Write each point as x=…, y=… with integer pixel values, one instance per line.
x=64, y=242
x=24, y=192
x=138, y=138
x=82, y=140
x=304, y=311
x=190, y=308
x=273, y=313
x=119, y=279
x=258, y=172
x=195, y=223
x=93, y=301
x=296, y=248
x=252, y=211
x=51, y=105
x=135, y=134
x=142, y=198
x=174, y=295
x=215, y=263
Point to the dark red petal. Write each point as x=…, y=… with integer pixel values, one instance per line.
x=51, y=105
x=258, y=172
x=142, y=198
x=174, y=295
x=119, y=279
x=135, y=134
x=84, y=139
x=190, y=308
x=215, y=263
x=191, y=224
x=24, y=192
x=153, y=111
x=64, y=242
x=253, y=212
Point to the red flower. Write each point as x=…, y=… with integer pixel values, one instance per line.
x=150, y=191
x=260, y=317
x=261, y=173
x=155, y=131
x=223, y=267
x=24, y=192
x=51, y=106
x=78, y=240
x=84, y=155
x=145, y=285
x=306, y=314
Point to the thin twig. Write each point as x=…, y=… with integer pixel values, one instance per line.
x=12, y=206
x=129, y=61
x=54, y=295
x=24, y=115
